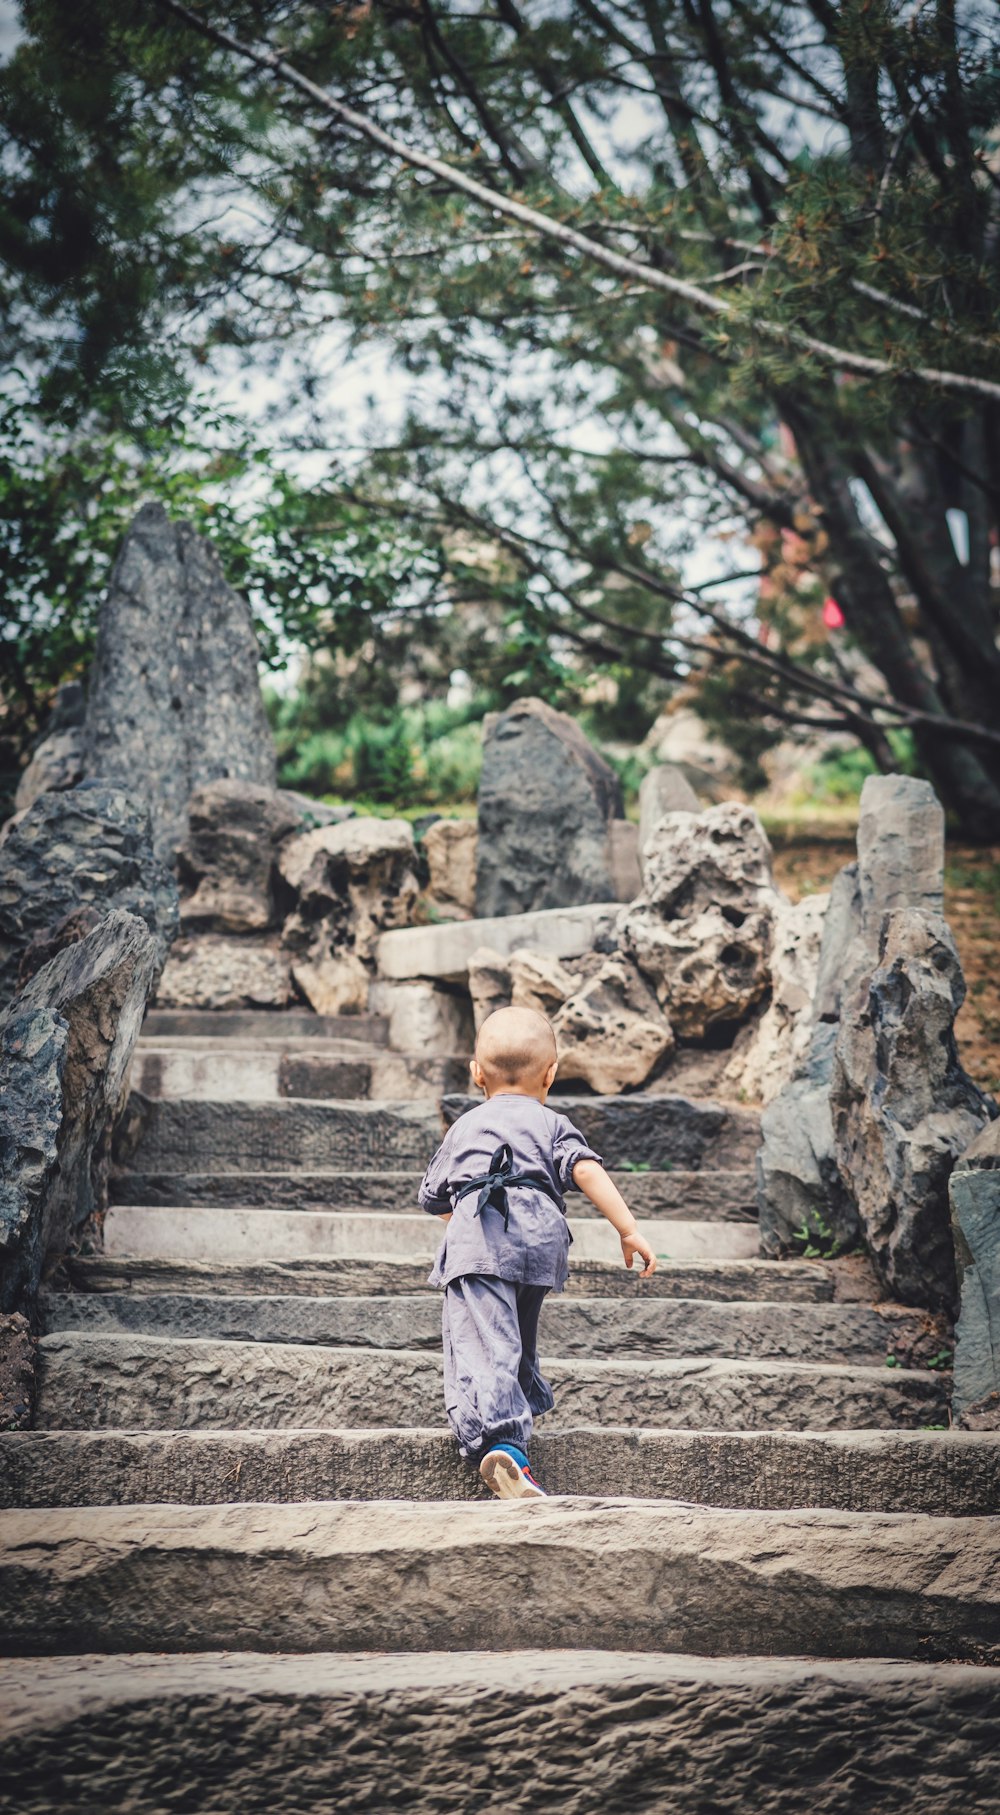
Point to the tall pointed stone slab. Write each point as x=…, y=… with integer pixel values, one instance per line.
x=174, y=696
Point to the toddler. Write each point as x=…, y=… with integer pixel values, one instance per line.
x=498, y=1180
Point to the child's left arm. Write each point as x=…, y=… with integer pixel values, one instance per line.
x=590, y=1178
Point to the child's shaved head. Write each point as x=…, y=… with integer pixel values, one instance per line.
x=515, y=1046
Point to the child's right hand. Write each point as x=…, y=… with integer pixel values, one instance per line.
x=637, y=1244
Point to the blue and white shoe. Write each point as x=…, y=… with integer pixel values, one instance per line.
x=507, y=1474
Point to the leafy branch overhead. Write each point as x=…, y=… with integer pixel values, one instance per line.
x=628, y=280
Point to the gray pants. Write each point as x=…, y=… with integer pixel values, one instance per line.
x=491, y=1380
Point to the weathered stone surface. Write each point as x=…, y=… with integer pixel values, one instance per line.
x=252, y=1025
x=719, y=859
x=212, y=971
x=489, y=982
x=351, y=881
x=423, y=1017
x=974, y=1190
x=217, y=1137
x=726, y=1735
x=900, y=850
x=58, y=760
x=333, y=983
x=86, y=847
x=17, y=1373
x=841, y=955
x=903, y=1109
x=449, y=846
x=174, y=695
x=227, y=862
x=154, y=1383
x=656, y=1131
x=801, y=1198
x=707, y=969
x=444, y=953
x=539, y=981
x=320, y=1577
x=623, y=859
x=65, y=1047
x=546, y=800
x=664, y=789
x=611, y=1033
x=780, y=1039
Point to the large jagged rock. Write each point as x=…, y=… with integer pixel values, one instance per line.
x=974, y=1190
x=780, y=1040
x=214, y=971
x=900, y=850
x=66, y=1042
x=228, y=862
x=546, y=801
x=540, y=981
x=842, y=951
x=174, y=694
x=424, y=1018
x=801, y=1200
x=720, y=858
x=611, y=1032
x=87, y=847
x=903, y=1109
x=57, y=762
x=449, y=846
x=351, y=883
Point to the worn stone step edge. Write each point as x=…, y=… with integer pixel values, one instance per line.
x=943, y=1473
x=865, y=1335
x=107, y=1381
x=795, y=1282
x=725, y=1194
x=239, y=1023
x=411, y=1576
x=207, y=1232
x=269, y=1071
x=450, y=1732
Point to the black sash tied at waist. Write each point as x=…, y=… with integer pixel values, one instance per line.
x=494, y=1184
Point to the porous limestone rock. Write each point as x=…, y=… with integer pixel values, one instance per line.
x=900, y=850
x=213, y=971
x=57, y=762
x=489, y=982
x=174, y=695
x=66, y=1042
x=546, y=801
x=717, y=859
x=903, y=1108
x=449, y=846
x=801, y=1200
x=664, y=789
x=974, y=1190
x=705, y=969
x=334, y=983
x=539, y=981
x=780, y=1039
x=89, y=846
x=351, y=881
x=424, y=1017
x=611, y=1032
x=227, y=864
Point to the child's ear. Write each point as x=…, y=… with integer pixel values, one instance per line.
x=550, y=1075
x=476, y=1073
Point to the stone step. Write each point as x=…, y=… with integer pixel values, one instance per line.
x=108, y=1381
x=267, y=1070
x=442, y=952
x=207, y=1232
x=947, y=1473
x=410, y=1576
x=195, y=1134
x=790, y=1281
x=254, y=1024
x=451, y=1733
x=724, y=1196
x=674, y=1329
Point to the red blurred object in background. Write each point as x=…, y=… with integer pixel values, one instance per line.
x=833, y=617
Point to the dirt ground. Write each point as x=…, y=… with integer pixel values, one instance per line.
x=972, y=906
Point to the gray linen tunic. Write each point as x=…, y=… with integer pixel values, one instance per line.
x=534, y=1249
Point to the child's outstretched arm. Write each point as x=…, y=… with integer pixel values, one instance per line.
x=591, y=1178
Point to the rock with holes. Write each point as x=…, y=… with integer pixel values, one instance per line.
x=449, y=846
x=903, y=1108
x=801, y=1199
x=489, y=982
x=706, y=971
x=174, y=696
x=546, y=803
x=780, y=1038
x=350, y=882
x=540, y=981
x=84, y=848
x=974, y=1191
x=717, y=859
x=610, y=1032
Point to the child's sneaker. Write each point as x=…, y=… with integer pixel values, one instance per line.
x=508, y=1475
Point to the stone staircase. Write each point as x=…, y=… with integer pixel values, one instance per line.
x=242, y=1567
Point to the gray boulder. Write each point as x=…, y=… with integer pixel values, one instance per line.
x=842, y=959
x=58, y=760
x=89, y=847
x=974, y=1190
x=66, y=1043
x=801, y=1200
x=174, y=694
x=903, y=1109
x=228, y=862
x=546, y=802
x=900, y=850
